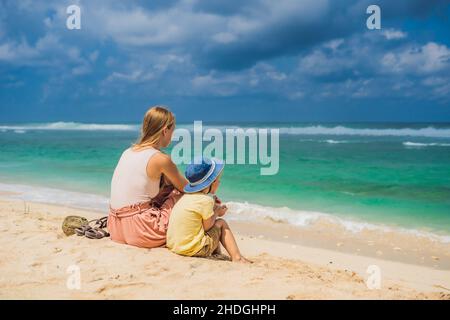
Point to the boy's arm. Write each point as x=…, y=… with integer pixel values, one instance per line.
x=208, y=223
x=219, y=211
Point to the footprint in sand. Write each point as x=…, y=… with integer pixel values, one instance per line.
x=57, y=250
x=111, y=287
x=194, y=265
x=36, y=264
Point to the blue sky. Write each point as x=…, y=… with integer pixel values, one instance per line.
x=225, y=60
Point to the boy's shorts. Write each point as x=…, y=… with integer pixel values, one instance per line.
x=212, y=242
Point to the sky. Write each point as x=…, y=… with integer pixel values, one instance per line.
x=225, y=60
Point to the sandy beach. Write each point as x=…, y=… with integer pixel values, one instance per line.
x=37, y=262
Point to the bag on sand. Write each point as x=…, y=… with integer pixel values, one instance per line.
x=70, y=223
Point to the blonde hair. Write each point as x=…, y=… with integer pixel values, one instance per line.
x=156, y=119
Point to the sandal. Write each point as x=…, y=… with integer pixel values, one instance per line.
x=96, y=233
x=98, y=224
x=102, y=222
x=80, y=231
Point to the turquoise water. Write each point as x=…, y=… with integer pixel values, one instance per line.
x=392, y=174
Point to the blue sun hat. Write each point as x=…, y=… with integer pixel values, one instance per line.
x=202, y=173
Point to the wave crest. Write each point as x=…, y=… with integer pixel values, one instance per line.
x=301, y=218
x=430, y=131
x=70, y=126
x=346, y=131
x=420, y=144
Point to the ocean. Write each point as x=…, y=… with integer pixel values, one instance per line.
x=361, y=175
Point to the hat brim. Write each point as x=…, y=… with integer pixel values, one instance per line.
x=217, y=170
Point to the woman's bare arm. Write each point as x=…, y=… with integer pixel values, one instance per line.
x=162, y=164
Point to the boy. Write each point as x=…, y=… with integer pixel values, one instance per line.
x=194, y=225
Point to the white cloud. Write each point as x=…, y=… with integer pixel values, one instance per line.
x=23, y=53
x=159, y=48
x=278, y=76
x=164, y=62
x=134, y=77
x=297, y=95
x=263, y=77
x=224, y=37
x=393, y=34
x=81, y=70
x=13, y=51
x=138, y=27
x=431, y=57
x=94, y=56
x=48, y=22
x=443, y=91
x=318, y=63
x=214, y=84
x=435, y=81
x=180, y=24
x=334, y=44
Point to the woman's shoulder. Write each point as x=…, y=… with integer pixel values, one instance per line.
x=135, y=150
x=161, y=158
x=147, y=153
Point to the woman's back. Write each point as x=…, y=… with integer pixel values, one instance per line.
x=130, y=183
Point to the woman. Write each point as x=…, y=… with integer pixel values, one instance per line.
x=145, y=185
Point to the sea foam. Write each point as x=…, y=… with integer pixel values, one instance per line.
x=429, y=131
x=342, y=130
x=56, y=196
x=242, y=211
x=70, y=126
x=302, y=218
x=420, y=144
x=336, y=141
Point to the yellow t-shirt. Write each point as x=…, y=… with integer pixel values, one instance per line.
x=185, y=234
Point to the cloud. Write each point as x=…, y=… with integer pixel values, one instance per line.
x=221, y=86
x=308, y=51
x=429, y=58
x=47, y=51
x=138, y=27
x=81, y=70
x=16, y=51
x=319, y=63
x=435, y=81
x=94, y=56
x=262, y=77
x=334, y=44
x=224, y=37
x=133, y=77
x=392, y=34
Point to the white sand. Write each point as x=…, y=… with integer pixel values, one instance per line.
x=35, y=257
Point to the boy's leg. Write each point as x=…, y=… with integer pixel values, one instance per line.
x=229, y=242
x=218, y=250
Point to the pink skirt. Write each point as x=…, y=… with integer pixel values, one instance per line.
x=143, y=224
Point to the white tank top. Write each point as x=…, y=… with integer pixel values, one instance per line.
x=130, y=183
